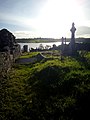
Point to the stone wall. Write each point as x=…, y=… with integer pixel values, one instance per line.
x=7, y=59
x=9, y=51
x=5, y=63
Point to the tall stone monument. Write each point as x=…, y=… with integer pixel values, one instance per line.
x=72, y=42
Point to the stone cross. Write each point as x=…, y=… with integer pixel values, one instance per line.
x=72, y=42
x=73, y=29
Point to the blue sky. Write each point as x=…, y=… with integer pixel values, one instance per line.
x=45, y=18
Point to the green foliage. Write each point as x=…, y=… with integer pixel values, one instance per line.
x=47, y=90
x=29, y=55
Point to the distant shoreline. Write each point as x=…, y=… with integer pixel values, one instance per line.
x=37, y=40
x=48, y=40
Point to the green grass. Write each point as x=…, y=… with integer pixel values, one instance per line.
x=47, y=90
x=29, y=54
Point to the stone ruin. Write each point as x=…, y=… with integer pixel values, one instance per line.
x=9, y=50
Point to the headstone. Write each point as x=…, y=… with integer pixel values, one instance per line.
x=72, y=42
x=25, y=48
x=62, y=45
x=62, y=40
x=65, y=40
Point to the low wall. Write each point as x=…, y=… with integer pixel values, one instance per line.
x=5, y=63
x=7, y=59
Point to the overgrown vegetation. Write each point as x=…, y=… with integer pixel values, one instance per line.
x=29, y=55
x=47, y=90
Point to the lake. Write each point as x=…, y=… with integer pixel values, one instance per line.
x=36, y=45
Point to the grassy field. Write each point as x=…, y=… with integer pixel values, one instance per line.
x=47, y=90
x=29, y=55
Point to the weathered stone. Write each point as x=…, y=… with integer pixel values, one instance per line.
x=72, y=42
x=9, y=50
x=6, y=39
x=25, y=48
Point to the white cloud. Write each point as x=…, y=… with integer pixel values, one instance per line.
x=25, y=34
x=83, y=31
x=17, y=20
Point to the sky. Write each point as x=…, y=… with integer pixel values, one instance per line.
x=45, y=18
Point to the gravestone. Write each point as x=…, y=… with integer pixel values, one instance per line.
x=25, y=48
x=62, y=45
x=72, y=42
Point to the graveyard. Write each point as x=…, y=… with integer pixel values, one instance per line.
x=55, y=86
x=47, y=89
